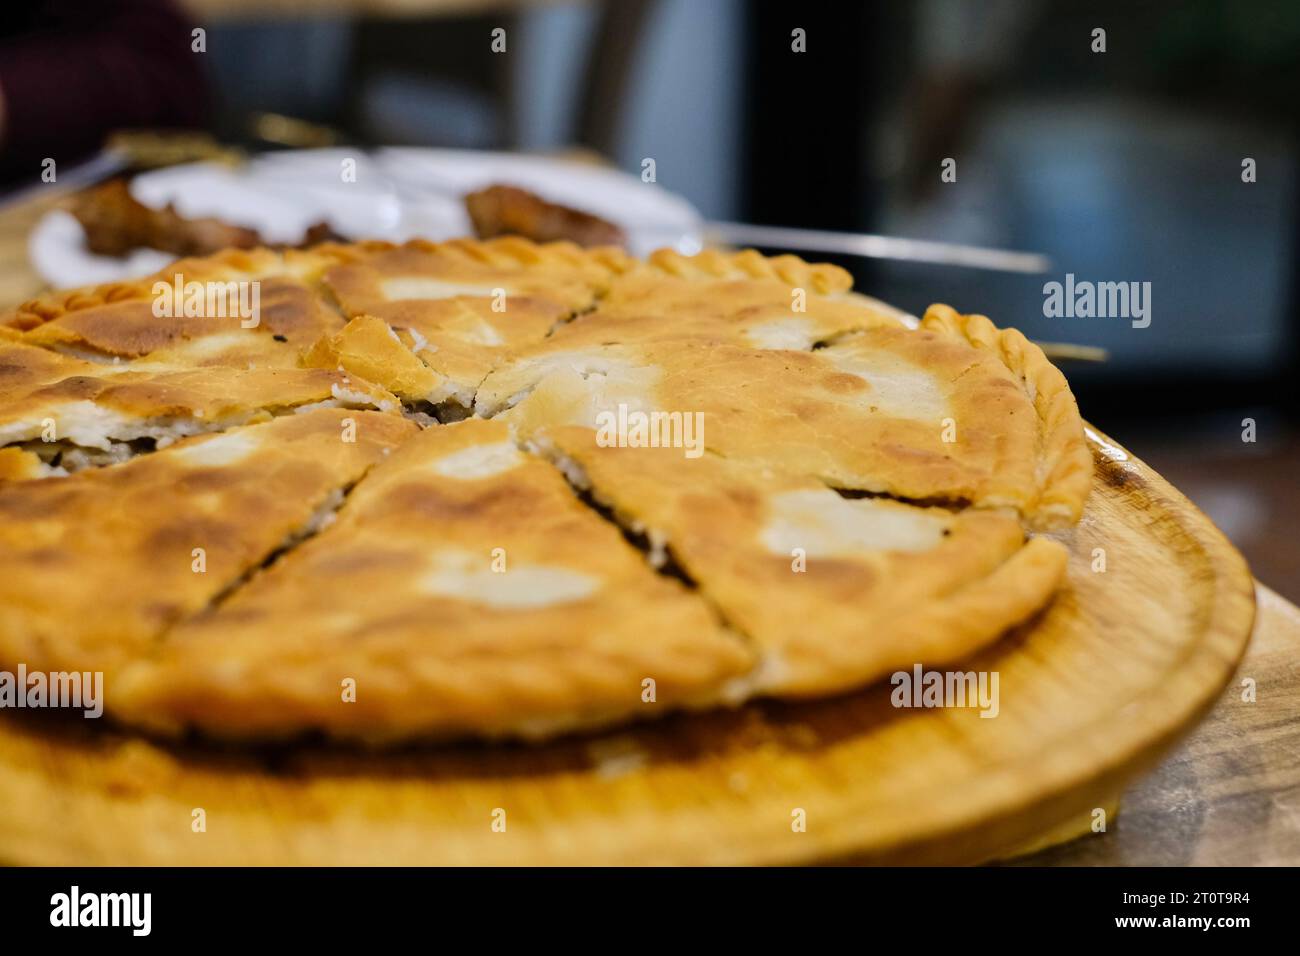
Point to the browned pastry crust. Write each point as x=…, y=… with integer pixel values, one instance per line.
x=47, y=397
x=96, y=566
x=1062, y=453
x=368, y=348
x=463, y=306
x=821, y=382
x=802, y=386
x=820, y=278
x=918, y=414
x=834, y=592
x=463, y=589
x=290, y=318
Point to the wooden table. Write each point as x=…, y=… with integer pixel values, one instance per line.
x=1228, y=795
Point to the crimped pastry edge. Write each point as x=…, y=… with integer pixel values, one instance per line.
x=308, y=264
x=1065, y=463
x=821, y=278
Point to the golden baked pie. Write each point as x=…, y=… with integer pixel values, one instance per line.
x=833, y=591
x=507, y=489
x=745, y=299
x=463, y=588
x=463, y=306
x=954, y=410
x=122, y=321
x=72, y=412
x=97, y=566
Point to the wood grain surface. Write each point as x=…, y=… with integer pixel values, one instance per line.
x=1091, y=693
x=1229, y=794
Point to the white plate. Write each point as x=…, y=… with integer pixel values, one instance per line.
x=394, y=194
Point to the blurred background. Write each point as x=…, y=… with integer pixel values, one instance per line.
x=1118, y=166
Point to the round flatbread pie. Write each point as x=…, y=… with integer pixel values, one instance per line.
x=502, y=489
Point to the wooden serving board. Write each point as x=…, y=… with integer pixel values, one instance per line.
x=1091, y=693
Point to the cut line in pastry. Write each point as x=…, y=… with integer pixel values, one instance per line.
x=834, y=592
x=462, y=589
x=96, y=566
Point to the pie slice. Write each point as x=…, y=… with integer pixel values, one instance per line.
x=462, y=305
x=744, y=299
x=834, y=592
x=241, y=308
x=87, y=413
x=956, y=411
x=463, y=589
x=237, y=328
x=230, y=265
x=96, y=566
